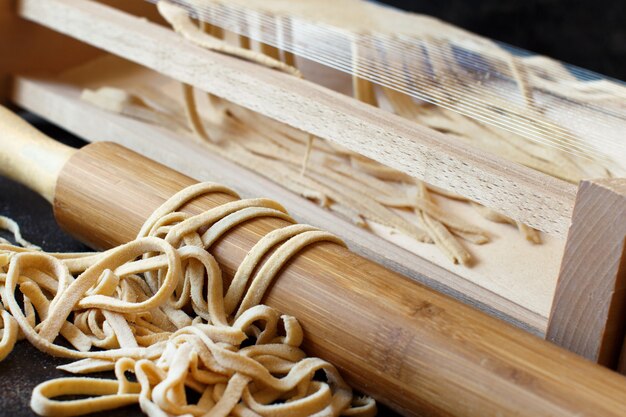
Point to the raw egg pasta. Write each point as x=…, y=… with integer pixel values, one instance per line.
x=156, y=308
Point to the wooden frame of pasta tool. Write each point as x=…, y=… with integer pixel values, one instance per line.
x=588, y=305
x=418, y=351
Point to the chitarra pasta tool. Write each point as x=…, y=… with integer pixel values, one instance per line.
x=418, y=351
x=443, y=156
x=475, y=122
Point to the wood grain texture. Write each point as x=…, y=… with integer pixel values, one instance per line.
x=60, y=103
x=528, y=196
x=588, y=314
x=419, y=351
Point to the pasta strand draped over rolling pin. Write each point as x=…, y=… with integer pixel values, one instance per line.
x=157, y=308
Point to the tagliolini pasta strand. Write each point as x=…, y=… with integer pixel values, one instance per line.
x=155, y=308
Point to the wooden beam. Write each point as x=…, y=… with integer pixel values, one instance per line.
x=589, y=310
x=524, y=194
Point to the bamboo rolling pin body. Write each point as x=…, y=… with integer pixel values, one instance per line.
x=418, y=351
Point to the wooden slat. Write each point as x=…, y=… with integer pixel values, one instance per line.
x=589, y=312
x=526, y=195
x=61, y=104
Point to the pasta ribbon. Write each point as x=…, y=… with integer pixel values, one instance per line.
x=157, y=308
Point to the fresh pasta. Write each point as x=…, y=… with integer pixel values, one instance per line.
x=156, y=308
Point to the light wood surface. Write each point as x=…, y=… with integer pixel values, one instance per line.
x=538, y=200
x=588, y=315
x=26, y=47
x=419, y=351
x=28, y=156
x=502, y=282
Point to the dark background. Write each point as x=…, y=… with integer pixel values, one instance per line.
x=590, y=34
x=585, y=33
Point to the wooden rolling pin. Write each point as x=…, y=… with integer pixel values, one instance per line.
x=418, y=351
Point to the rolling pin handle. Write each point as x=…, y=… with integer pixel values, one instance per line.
x=30, y=157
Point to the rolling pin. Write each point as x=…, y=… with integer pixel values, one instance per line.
x=418, y=351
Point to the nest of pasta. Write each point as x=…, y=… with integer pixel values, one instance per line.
x=156, y=312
